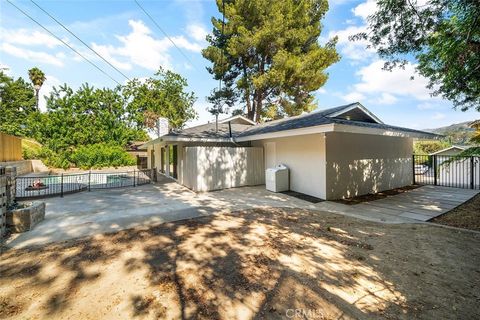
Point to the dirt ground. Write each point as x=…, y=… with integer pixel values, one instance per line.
x=256, y=264
x=465, y=216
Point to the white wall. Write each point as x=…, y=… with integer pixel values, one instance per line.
x=304, y=156
x=358, y=164
x=213, y=168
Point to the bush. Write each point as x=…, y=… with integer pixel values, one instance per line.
x=101, y=155
x=427, y=147
x=86, y=157
x=53, y=159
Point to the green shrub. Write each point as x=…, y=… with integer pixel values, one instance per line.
x=101, y=155
x=98, y=155
x=427, y=147
x=53, y=159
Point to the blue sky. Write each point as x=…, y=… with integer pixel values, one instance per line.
x=122, y=33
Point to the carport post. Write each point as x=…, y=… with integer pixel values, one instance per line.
x=472, y=173
x=435, y=169
x=134, y=175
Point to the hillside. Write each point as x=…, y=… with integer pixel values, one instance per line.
x=457, y=133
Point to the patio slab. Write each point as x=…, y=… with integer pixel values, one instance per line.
x=413, y=206
x=103, y=211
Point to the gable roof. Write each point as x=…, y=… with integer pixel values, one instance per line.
x=330, y=116
x=350, y=111
x=342, y=118
x=239, y=119
x=461, y=148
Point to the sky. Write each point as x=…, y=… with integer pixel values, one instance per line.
x=121, y=32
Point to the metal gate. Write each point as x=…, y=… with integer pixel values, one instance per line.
x=31, y=187
x=447, y=171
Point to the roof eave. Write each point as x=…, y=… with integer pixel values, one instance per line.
x=166, y=139
x=341, y=128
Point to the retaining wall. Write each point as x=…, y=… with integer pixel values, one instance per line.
x=3, y=202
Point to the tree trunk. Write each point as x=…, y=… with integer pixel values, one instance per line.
x=258, y=107
x=36, y=99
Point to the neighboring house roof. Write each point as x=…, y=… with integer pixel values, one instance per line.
x=238, y=120
x=459, y=148
x=343, y=118
x=136, y=146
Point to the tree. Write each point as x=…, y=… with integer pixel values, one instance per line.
x=38, y=78
x=268, y=55
x=443, y=36
x=163, y=95
x=17, y=105
x=85, y=117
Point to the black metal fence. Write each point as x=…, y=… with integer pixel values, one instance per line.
x=60, y=185
x=447, y=171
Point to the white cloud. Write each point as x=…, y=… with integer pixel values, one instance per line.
x=365, y=9
x=182, y=42
x=34, y=56
x=354, y=50
x=197, y=32
x=426, y=106
x=105, y=51
x=374, y=80
x=140, y=48
x=385, y=87
x=353, y=97
x=387, y=98
x=28, y=37
x=321, y=91
x=438, y=116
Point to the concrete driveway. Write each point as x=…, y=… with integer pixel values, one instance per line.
x=103, y=211
x=110, y=210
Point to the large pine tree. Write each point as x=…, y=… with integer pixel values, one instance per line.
x=269, y=56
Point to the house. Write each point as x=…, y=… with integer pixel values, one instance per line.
x=450, y=151
x=136, y=149
x=335, y=153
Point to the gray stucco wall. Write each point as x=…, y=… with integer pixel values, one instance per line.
x=358, y=164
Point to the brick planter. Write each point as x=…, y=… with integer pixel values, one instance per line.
x=24, y=219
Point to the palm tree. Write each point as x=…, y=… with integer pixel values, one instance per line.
x=38, y=78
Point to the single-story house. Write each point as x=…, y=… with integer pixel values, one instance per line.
x=335, y=153
x=450, y=151
x=139, y=152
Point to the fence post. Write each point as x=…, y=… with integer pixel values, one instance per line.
x=472, y=173
x=89, y=179
x=61, y=188
x=413, y=168
x=434, y=169
x=134, y=176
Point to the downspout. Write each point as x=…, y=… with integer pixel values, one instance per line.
x=232, y=139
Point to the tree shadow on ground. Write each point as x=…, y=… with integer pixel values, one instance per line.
x=262, y=264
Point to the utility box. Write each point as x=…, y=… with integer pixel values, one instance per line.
x=276, y=179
